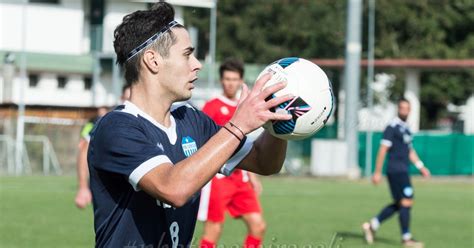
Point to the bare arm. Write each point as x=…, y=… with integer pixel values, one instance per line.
x=415, y=159
x=267, y=155
x=413, y=156
x=83, y=195
x=379, y=163
x=174, y=184
x=256, y=184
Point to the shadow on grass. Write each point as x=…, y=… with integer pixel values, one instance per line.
x=359, y=237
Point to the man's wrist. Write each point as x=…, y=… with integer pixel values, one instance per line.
x=419, y=165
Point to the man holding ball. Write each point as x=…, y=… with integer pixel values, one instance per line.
x=148, y=159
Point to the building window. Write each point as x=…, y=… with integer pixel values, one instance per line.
x=33, y=80
x=45, y=1
x=87, y=83
x=62, y=81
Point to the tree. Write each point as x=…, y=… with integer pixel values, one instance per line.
x=262, y=31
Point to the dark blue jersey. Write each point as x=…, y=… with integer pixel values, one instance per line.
x=398, y=137
x=125, y=145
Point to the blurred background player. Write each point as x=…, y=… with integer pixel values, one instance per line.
x=397, y=142
x=84, y=195
x=238, y=192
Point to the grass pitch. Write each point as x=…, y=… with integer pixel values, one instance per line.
x=39, y=211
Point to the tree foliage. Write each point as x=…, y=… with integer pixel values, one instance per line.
x=261, y=31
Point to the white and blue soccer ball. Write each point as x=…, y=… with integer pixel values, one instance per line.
x=313, y=102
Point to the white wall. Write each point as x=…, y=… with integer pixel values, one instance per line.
x=113, y=17
x=468, y=116
x=74, y=93
x=60, y=29
x=50, y=28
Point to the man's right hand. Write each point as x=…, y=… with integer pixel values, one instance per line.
x=376, y=178
x=425, y=172
x=253, y=110
x=83, y=198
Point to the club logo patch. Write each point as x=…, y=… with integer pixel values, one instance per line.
x=225, y=110
x=189, y=146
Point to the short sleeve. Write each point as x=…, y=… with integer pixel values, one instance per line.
x=85, y=132
x=123, y=148
x=209, y=127
x=388, y=136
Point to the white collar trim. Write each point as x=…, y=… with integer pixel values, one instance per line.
x=402, y=123
x=170, y=131
x=227, y=101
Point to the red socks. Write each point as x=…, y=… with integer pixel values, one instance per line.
x=252, y=242
x=206, y=244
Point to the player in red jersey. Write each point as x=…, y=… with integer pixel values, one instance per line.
x=238, y=192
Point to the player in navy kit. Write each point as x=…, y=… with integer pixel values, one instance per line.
x=397, y=142
x=149, y=159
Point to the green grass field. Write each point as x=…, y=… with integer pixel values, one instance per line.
x=39, y=211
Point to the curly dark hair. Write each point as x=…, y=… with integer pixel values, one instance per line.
x=232, y=64
x=135, y=29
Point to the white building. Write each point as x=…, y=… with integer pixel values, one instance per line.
x=63, y=41
x=57, y=38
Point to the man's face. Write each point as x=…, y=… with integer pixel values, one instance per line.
x=231, y=82
x=179, y=70
x=403, y=110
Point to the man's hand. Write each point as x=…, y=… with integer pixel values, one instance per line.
x=377, y=178
x=83, y=198
x=425, y=172
x=253, y=110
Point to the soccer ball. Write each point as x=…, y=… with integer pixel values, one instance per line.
x=313, y=102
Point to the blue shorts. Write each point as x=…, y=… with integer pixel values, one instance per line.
x=400, y=186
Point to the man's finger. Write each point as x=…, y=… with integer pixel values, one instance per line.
x=272, y=89
x=261, y=82
x=279, y=116
x=244, y=94
x=274, y=102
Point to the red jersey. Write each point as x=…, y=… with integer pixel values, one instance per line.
x=221, y=109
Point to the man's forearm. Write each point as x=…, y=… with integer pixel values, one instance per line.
x=270, y=154
x=379, y=161
x=82, y=168
x=415, y=159
x=413, y=156
x=175, y=184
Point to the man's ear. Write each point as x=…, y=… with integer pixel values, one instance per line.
x=152, y=60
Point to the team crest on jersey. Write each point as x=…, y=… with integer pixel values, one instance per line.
x=225, y=110
x=189, y=146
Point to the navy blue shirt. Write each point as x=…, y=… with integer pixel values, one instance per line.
x=125, y=145
x=398, y=138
